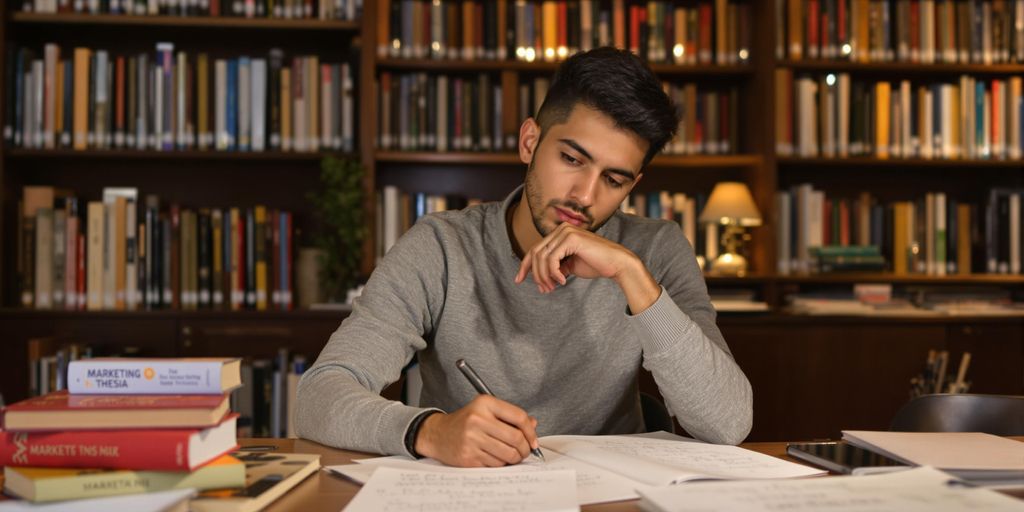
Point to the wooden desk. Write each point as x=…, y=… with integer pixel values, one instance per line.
x=329, y=493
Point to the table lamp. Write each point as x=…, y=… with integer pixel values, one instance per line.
x=732, y=207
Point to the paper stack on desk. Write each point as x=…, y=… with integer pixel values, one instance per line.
x=980, y=458
x=921, y=489
x=612, y=468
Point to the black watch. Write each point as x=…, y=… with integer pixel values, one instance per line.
x=414, y=430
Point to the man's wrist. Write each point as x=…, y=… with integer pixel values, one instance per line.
x=412, y=433
x=638, y=285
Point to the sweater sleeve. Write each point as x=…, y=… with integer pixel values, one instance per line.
x=338, y=399
x=683, y=349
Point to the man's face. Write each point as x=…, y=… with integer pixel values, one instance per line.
x=581, y=171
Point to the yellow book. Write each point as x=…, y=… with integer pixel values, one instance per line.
x=862, y=52
x=899, y=239
x=286, y=109
x=383, y=24
x=260, y=218
x=120, y=246
x=550, y=28
x=795, y=29
x=883, y=105
x=94, y=258
x=81, y=113
x=468, y=35
x=56, y=484
x=721, y=31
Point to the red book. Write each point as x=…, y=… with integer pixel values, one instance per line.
x=634, y=29
x=163, y=450
x=704, y=45
x=841, y=23
x=812, y=26
x=563, y=27
x=62, y=411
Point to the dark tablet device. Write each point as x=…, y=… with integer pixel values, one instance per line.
x=841, y=457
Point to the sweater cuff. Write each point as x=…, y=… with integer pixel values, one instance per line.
x=394, y=424
x=662, y=325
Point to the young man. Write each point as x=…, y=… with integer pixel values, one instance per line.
x=554, y=296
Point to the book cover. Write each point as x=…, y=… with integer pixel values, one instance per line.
x=267, y=477
x=55, y=484
x=61, y=410
x=154, y=376
x=150, y=449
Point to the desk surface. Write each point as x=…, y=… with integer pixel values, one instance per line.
x=326, y=492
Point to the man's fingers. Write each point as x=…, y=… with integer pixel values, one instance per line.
x=524, y=268
x=511, y=437
x=517, y=418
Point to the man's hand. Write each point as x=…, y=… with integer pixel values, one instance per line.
x=486, y=432
x=572, y=250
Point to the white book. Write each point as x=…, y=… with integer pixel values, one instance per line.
x=947, y=120
x=927, y=32
x=817, y=221
x=710, y=244
x=220, y=74
x=807, y=117
x=38, y=102
x=801, y=260
x=259, y=101
x=782, y=232
x=986, y=31
x=905, y=102
x=120, y=375
x=986, y=133
x=142, y=103
x=392, y=223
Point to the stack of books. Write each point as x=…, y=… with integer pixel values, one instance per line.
x=125, y=426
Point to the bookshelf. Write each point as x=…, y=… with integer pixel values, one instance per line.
x=281, y=178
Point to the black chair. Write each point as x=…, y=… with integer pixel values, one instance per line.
x=656, y=416
x=1001, y=415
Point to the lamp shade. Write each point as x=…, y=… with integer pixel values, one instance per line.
x=731, y=203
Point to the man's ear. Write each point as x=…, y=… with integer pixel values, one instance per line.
x=529, y=136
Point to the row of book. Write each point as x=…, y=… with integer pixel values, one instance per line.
x=919, y=31
x=286, y=9
x=698, y=32
x=437, y=112
x=833, y=116
x=176, y=101
x=130, y=426
x=399, y=210
x=126, y=253
x=931, y=235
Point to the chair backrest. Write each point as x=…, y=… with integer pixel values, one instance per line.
x=1001, y=415
x=656, y=416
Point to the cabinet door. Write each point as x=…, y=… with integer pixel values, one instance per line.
x=997, y=355
x=811, y=379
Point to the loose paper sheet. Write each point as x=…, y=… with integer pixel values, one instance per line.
x=398, y=490
x=922, y=489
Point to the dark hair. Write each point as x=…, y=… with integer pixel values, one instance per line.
x=618, y=84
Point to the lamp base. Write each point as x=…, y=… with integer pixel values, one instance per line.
x=729, y=264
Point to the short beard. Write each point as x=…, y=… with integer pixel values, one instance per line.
x=535, y=196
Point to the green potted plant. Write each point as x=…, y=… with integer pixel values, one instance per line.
x=340, y=227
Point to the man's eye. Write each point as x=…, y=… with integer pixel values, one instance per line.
x=613, y=182
x=569, y=159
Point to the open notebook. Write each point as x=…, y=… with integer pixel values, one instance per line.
x=612, y=468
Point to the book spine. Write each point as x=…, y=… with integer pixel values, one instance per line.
x=145, y=377
x=101, y=449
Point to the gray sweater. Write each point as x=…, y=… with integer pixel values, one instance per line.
x=570, y=358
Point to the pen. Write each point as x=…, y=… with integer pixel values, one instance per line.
x=482, y=388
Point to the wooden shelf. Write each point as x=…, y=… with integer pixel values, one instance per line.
x=131, y=154
x=861, y=161
x=296, y=314
x=108, y=20
x=456, y=65
x=481, y=158
x=865, y=277
x=902, y=68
